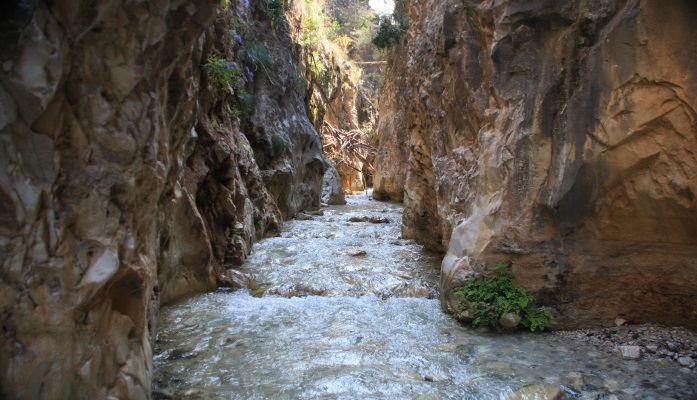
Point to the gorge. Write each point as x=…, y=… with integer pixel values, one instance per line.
x=146, y=146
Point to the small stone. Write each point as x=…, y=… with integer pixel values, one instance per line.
x=652, y=348
x=685, y=361
x=509, y=320
x=620, y=321
x=546, y=392
x=672, y=346
x=357, y=253
x=611, y=385
x=629, y=352
x=575, y=380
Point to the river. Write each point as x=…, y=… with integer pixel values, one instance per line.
x=349, y=310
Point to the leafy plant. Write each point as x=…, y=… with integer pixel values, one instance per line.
x=389, y=33
x=276, y=10
x=222, y=72
x=491, y=296
x=392, y=30
x=254, y=54
x=300, y=84
x=278, y=144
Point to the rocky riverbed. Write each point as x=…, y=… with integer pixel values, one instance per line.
x=349, y=310
x=655, y=343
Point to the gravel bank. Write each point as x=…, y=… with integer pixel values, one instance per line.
x=652, y=342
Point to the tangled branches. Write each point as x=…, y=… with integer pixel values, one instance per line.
x=347, y=147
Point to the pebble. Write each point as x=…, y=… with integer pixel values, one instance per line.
x=629, y=352
x=575, y=380
x=685, y=361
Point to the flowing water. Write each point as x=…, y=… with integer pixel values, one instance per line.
x=349, y=310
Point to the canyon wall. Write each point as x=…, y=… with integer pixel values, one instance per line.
x=562, y=136
x=127, y=180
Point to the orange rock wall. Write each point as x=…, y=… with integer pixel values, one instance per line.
x=561, y=135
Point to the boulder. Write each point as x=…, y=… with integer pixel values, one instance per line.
x=332, y=189
x=509, y=320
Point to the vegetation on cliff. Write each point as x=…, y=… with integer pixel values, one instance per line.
x=496, y=300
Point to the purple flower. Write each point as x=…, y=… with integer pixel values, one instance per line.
x=230, y=65
x=248, y=73
x=245, y=3
x=238, y=39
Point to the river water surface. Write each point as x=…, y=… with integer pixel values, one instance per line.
x=349, y=310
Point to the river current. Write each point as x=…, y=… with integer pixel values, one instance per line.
x=349, y=310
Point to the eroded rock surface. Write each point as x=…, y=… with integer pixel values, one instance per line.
x=97, y=112
x=286, y=145
x=126, y=183
x=561, y=135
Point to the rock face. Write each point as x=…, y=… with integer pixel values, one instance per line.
x=97, y=112
x=391, y=134
x=126, y=184
x=286, y=145
x=561, y=135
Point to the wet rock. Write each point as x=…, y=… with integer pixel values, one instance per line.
x=509, y=320
x=181, y=354
x=575, y=380
x=332, y=190
x=301, y=216
x=686, y=362
x=537, y=391
x=629, y=352
x=289, y=290
x=237, y=280
x=357, y=253
x=611, y=385
x=372, y=220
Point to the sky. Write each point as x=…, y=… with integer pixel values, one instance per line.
x=382, y=6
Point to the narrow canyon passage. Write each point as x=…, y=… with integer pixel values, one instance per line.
x=349, y=310
x=147, y=148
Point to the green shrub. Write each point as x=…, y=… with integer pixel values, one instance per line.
x=276, y=10
x=254, y=54
x=300, y=84
x=389, y=34
x=278, y=145
x=222, y=72
x=489, y=297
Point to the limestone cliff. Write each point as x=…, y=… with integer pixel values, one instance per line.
x=287, y=147
x=128, y=179
x=561, y=135
x=390, y=134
